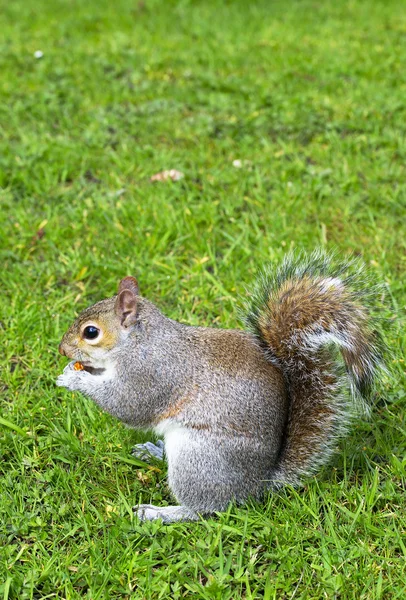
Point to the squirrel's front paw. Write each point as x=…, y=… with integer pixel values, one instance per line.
x=71, y=379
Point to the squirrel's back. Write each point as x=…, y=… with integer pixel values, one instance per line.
x=312, y=318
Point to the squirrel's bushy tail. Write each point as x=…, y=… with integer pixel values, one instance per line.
x=306, y=313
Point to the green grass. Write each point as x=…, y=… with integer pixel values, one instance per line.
x=312, y=94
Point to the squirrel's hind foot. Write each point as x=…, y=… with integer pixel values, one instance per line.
x=168, y=514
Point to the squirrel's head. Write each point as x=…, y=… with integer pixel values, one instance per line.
x=99, y=328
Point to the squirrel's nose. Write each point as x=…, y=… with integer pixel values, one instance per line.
x=61, y=349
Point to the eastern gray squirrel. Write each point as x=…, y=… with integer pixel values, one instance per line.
x=240, y=411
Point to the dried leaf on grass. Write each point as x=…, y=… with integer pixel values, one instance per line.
x=170, y=175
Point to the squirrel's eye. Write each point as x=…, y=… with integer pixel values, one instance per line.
x=90, y=332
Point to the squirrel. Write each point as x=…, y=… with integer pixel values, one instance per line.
x=241, y=411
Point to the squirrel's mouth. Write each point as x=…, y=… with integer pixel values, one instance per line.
x=93, y=370
x=80, y=366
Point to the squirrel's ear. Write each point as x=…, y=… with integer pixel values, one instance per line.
x=129, y=283
x=126, y=302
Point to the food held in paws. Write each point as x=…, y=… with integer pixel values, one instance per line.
x=78, y=366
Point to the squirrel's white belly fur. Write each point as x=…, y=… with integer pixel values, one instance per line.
x=177, y=437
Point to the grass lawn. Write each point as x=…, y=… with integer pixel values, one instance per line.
x=310, y=97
